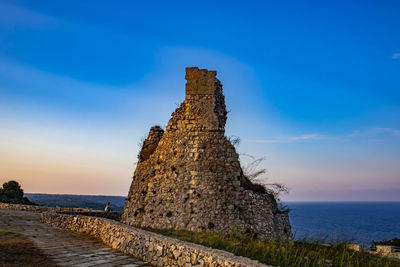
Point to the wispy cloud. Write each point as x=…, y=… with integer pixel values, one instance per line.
x=291, y=139
x=12, y=16
x=390, y=131
x=371, y=134
x=307, y=137
x=396, y=56
x=26, y=90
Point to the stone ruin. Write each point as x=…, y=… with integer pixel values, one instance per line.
x=188, y=177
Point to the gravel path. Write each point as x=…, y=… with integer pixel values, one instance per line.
x=64, y=247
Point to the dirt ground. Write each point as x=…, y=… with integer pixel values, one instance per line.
x=25, y=241
x=19, y=250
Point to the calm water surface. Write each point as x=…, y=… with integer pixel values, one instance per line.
x=343, y=221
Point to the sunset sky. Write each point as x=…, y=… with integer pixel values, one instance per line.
x=312, y=86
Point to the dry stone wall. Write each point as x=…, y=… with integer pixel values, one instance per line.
x=114, y=215
x=34, y=208
x=156, y=249
x=189, y=176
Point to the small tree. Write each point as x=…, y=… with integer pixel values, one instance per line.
x=11, y=192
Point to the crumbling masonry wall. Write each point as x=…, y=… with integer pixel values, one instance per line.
x=189, y=177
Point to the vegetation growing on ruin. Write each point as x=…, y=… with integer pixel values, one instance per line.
x=293, y=253
x=258, y=181
x=255, y=176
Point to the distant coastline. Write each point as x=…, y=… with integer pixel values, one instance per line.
x=94, y=202
x=356, y=222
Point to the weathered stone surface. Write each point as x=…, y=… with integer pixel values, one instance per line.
x=156, y=249
x=200, y=82
x=189, y=177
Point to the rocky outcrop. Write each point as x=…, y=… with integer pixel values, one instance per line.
x=189, y=176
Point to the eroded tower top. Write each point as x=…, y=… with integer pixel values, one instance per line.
x=200, y=81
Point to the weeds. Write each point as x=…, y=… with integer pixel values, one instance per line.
x=257, y=180
x=294, y=253
x=235, y=140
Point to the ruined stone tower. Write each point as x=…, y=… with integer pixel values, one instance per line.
x=189, y=176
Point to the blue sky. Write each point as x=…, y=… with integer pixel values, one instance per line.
x=312, y=86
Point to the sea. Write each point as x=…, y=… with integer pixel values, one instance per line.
x=354, y=222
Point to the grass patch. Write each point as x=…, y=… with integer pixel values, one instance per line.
x=19, y=250
x=294, y=253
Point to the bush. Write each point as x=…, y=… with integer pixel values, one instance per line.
x=12, y=190
x=12, y=193
x=394, y=242
x=293, y=253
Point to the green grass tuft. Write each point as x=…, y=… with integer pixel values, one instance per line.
x=294, y=253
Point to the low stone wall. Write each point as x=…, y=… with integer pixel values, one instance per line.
x=389, y=251
x=33, y=208
x=156, y=249
x=113, y=215
x=384, y=250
